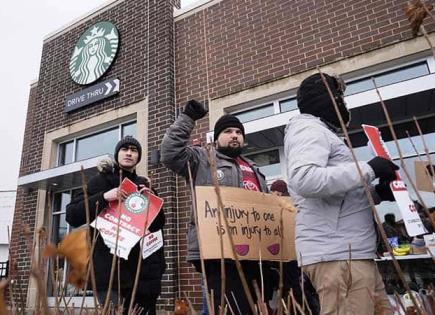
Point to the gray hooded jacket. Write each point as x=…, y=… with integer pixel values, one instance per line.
x=333, y=210
x=176, y=153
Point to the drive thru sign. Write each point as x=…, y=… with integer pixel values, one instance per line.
x=410, y=216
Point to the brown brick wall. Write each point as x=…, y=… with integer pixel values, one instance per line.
x=46, y=105
x=252, y=42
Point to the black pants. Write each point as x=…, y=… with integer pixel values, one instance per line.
x=233, y=285
x=292, y=280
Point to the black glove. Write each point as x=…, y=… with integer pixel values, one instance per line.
x=384, y=169
x=194, y=110
x=384, y=191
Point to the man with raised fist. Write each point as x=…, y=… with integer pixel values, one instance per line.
x=232, y=170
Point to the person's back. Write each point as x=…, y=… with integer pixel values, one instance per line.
x=334, y=223
x=333, y=208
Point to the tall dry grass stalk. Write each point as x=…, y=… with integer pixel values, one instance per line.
x=209, y=300
x=213, y=169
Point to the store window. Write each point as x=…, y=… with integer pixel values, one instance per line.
x=95, y=144
x=288, y=105
x=256, y=113
x=59, y=228
x=387, y=78
x=268, y=162
x=129, y=129
x=66, y=153
x=276, y=107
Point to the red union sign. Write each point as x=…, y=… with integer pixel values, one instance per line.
x=398, y=185
x=410, y=216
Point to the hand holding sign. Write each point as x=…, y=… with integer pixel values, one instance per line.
x=384, y=169
x=412, y=220
x=115, y=194
x=122, y=225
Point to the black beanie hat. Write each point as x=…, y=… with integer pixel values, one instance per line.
x=124, y=143
x=227, y=121
x=313, y=98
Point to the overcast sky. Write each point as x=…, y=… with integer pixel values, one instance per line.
x=24, y=24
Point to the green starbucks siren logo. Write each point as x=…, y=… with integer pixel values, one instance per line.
x=94, y=52
x=136, y=203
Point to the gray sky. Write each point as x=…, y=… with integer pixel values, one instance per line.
x=24, y=24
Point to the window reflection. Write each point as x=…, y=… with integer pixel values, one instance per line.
x=98, y=144
x=268, y=162
x=256, y=113
x=66, y=153
x=94, y=145
x=386, y=78
x=288, y=105
x=129, y=130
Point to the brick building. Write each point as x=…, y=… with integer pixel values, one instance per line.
x=245, y=57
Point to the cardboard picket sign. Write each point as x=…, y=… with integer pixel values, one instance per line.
x=424, y=181
x=136, y=213
x=410, y=216
x=254, y=223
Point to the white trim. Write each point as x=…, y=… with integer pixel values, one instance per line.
x=82, y=19
x=193, y=8
x=403, y=88
x=61, y=170
x=382, y=68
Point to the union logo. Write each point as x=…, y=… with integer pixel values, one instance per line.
x=94, y=53
x=136, y=203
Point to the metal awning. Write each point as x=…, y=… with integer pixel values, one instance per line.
x=61, y=177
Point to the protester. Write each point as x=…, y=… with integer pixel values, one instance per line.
x=292, y=275
x=392, y=229
x=335, y=232
x=102, y=189
x=232, y=170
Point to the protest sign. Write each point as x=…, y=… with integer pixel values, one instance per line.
x=253, y=222
x=132, y=217
x=152, y=242
x=410, y=216
x=424, y=181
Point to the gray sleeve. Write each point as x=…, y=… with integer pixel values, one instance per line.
x=307, y=152
x=175, y=151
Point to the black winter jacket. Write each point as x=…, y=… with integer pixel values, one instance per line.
x=152, y=267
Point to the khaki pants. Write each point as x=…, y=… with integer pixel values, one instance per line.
x=345, y=287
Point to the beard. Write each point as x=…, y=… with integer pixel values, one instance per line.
x=229, y=151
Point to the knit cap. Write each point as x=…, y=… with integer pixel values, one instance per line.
x=124, y=143
x=227, y=121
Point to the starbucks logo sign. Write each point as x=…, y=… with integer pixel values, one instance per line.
x=94, y=52
x=136, y=203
